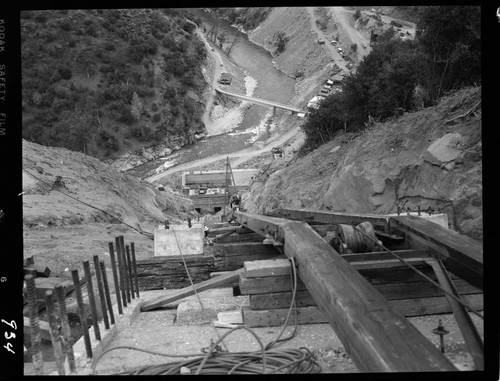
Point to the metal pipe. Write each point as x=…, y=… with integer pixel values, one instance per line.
x=93, y=308
x=115, y=277
x=54, y=333
x=120, y=270
x=130, y=273
x=100, y=287
x=106, y=292
x=81, y=312
x=36, y=349
x=68, y=339
x=125, y=269
x=132, y=249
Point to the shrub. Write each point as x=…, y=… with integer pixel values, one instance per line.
x=41, y=17
x=65, y=25
x=65, y=72
x=156, y=118
x=357, y=14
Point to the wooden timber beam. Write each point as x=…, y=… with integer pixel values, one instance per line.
x=378, y=339
x=467, y=327
x=377, y=220
x=462, y=255
x=220, y=280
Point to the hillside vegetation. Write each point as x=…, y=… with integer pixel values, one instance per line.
x=398, y=76
x=109, y=80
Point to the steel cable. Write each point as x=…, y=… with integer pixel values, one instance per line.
x=265, y=361
x=422, y=274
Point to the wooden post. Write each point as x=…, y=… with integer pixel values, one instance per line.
x=469, y=332
x=378, y=339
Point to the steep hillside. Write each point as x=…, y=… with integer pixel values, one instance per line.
x=429, y=158
x=108, y=81
x=68, y=219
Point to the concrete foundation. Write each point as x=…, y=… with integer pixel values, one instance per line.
x=179, y=238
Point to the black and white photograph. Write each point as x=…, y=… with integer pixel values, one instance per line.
x=246, y=191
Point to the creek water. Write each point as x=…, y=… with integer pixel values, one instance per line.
x=272, y=84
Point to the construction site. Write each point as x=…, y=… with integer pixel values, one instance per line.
x=236, y=248
x=231, y=292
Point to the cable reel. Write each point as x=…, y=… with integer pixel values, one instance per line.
x=348, y=239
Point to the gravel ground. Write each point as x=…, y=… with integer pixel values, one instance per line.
x=159, y=331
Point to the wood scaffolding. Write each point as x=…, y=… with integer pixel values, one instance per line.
x=378, y=339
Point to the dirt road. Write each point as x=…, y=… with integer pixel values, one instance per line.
x=341, y=15
x=242, y=156
x=332, y=50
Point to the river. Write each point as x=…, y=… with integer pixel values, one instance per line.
x=272, y=84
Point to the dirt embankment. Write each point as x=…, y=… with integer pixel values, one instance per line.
x=429, y=158
x=66, y=222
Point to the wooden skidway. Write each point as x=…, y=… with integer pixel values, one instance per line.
x=378, y=339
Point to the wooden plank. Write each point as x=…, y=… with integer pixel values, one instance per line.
x=239, y=260
x=377, y=339
x=467, y=327
x=394, y=291
x=379, y=222
x=461, y=254
x=169, y=272
x=432, y=306
x=405, y=254
x=244, y=249
x=187, y=291
x=266, y=268
x=213, y=232
x=265, y=285
x=277, y=317
x=314, y=315
x=234, y=237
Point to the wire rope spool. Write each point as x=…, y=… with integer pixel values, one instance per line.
x=350, y=240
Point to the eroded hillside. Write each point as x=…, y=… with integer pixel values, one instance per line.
x=429, y=158
x=67, y=220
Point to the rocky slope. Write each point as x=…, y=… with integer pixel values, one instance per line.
x=68, y=220
x=429, y=158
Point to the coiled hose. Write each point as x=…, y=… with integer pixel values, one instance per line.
x=216, y=361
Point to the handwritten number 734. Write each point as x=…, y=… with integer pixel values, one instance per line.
x=10, y=335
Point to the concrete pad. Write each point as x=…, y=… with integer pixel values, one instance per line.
x=214, y=301
x=179, y=238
